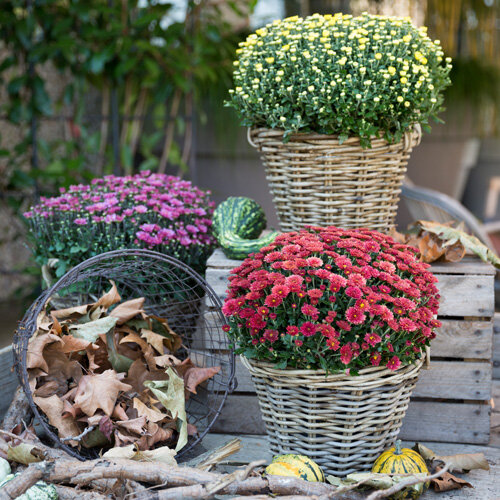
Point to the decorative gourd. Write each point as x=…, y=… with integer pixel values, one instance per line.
x=296, y=466
x=39, y=491
x=237, y=223
x=4, y=468
x=399, y=460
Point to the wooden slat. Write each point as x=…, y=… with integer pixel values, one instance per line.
x=218, y=280
x=241, y=414
x=463, y=339
x=496, y=346
x=455, y=380
x=8, y=379
x=219, y=260
x=448, y=422
x=468, y=265
x=470, y=295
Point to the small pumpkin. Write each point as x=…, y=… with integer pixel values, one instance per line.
x=296, y=466
x=39, y=491
x=397, y=460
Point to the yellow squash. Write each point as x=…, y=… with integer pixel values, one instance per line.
x=297, y=466
x=399, y=460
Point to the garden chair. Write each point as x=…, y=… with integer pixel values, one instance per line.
x=428, y=204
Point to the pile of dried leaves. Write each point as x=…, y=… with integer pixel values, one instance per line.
x=106, y=375
x=447, y=242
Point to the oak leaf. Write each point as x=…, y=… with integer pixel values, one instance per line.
x=109, y=298
x=195, y=376
x=127, y=310
x=99, y=391
x=53, y=407
x=462, y=462
x=152, y=414
x=34, y=356
x=163, y=454
x=91, y=330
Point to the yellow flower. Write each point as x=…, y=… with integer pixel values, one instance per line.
x=378, y=56
x=310, y=88
x=407, y=38
x=399, y=98
x=391, y=70
x=403, y=79
x=269, y=60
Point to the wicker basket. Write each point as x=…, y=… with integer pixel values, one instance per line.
x=342, y=422
x=315, y=180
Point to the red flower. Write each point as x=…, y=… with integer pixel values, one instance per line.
x=309, y=310
x=314, y=262
x=343, y=325
x=298, y=342
x=332, y=343
x=355, y=316
x=375, y=358
x=354, y=292
x=346, y=354
x=372, y=338
x=394, y=363
x=280, y=290
x=263, y=310
x=292, y=330
x=273, y=300
x=315, y=293
x=226, y=328
x=308, y=329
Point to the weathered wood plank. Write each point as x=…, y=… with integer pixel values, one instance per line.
x=219, y=260
x=463, y=339
x=241, y=414
x=451, y=422
x=496, y=346
x=8, y=378
x=468, y=265
x=469, y=295
x=218, y=280
x=455, y=380
x=444, y=380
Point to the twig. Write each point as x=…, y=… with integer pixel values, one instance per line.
x=19, y=484
x=68, y=493
x=404, y=484
x=207, y=460
x=19, y=408
x=88, y=430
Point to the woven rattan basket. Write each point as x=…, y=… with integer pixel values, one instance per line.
x=342, y=422
x=315, y=180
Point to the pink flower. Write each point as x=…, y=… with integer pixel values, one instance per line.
x=309, y=310
x=280, y=290
x=354, y=292
x=355, y=316
x=372, y=339
x=298, y=342
x=375, y=358
x=314, y=262
x=332, y=343
x=273, y=300
x=81, y=221
x=292, y=330
x=394, y=363
x=346, y=354
x=308, y=329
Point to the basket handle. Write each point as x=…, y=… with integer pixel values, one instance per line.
x=249, y=138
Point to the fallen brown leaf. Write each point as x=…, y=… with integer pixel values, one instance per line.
x=449, y=482
x=152, y=414
x=99, y=391
x=110, y=298
x=195, y=376
x=34, y=356
x=463, y=462
x=128, y=310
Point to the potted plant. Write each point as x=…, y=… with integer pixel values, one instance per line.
x=335, y=105
x=332, y=325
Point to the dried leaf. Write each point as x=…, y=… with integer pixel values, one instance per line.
x=25, y=453
x=34, y=356
x=119, y=362
x=163, y=454
x=106, y=427
x=195, y=376
x=91, y=330
x=99, y=391
x=449, y=482
x=160, y=325
x=454, y=253
x=170, y=393
x=134, y=426
x=70, y=312
x=127, y=310
x=152, y=414
x=458, y=463
x=110, y=298
x=139, y=373
x=430, y=247
x=73, y=344
x=167, y=360
x=453, y=235
x=154, y=339
x=53, y=408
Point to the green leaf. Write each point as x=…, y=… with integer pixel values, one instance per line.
x=91, y=330
x=170, y=393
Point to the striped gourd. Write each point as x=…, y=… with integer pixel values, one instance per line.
x=399, y=460
x=296, y=465
x=237, y=223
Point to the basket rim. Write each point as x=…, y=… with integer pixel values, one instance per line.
x=320, y=375
x=413, y=134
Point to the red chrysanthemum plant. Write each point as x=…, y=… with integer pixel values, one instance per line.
x=332, y=299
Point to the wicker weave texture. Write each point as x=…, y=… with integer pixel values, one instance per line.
x=342, y=422
x=315, y=180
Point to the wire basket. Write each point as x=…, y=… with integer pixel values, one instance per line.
x=171, y=290
x=318, y=180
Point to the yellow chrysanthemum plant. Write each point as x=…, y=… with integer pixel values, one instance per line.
x=336, y=74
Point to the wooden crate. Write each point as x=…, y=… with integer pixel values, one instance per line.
x=451, y=402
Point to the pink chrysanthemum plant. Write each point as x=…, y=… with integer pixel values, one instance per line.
x=332, y=299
